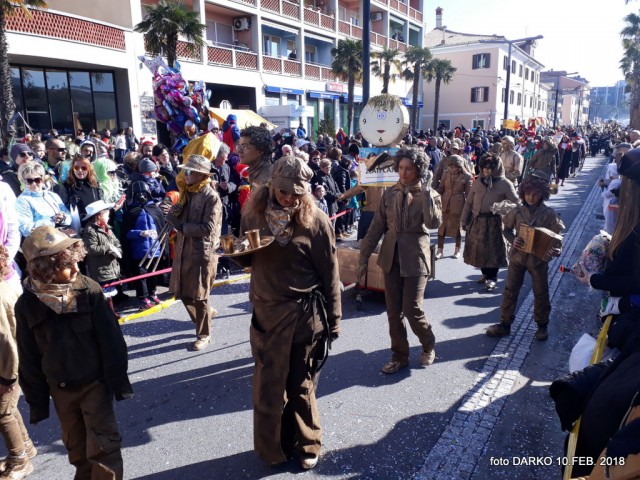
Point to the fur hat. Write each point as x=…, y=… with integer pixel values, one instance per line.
x=291, y=175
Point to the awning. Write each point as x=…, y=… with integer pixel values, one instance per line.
x=356, y=98
x=246, y=118
x=280, y=27
x=274, y=89
x=318, y=37
x=325, y=95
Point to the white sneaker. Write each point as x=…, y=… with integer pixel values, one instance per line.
x=456, y=253
x=439, y=254
x=610, y=306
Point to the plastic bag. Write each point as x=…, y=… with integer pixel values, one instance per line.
x=594, y=256
x=581, y=353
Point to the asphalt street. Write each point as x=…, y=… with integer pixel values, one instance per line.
x=192, y=414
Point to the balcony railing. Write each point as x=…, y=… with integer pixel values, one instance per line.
x=247, y=2
x=232, y=58
x=319, y=19
x=282, y=66
x=350, y=30
x=318, y=72
x=53, y=25
x=184, y=54
x=282, y=7
x=378, y=39
x=398, y=6
x=415, y=14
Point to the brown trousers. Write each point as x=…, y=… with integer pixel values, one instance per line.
x=200, y=314
x=90, y=431
x=404, y=297
x=12, y=427
x=540, y=282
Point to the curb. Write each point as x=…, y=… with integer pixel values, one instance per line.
x=462, y=443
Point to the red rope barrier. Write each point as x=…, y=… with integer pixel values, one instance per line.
x=340, y=214
x=139, y=277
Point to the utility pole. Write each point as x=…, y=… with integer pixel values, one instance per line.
x=366, y=50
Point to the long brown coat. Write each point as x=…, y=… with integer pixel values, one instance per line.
x=454, y=190
x=195, y=261
x=425, y=212
x=545, y=160
x=484, y=245
x=282, y=278
x=9, y=293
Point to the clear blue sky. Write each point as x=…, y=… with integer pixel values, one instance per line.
x=579, y=36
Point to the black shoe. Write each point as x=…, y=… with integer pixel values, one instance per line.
x=542, y=334
x=498, y=330
x=121, y=297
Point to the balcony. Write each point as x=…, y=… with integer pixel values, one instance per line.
x=282, y=7
x=185, y=55
x=346, y=28
x=231, y=57
x=251, y=3
x=415, y=14
x=318, y=72
x=53, y=25
x=395, y=44
x=318, y=19
x=282, y=66
x=377, y=39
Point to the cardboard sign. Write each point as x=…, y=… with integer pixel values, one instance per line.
x=378, y=177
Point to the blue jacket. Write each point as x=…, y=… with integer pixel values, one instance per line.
x=139, y=245
x=37, y=208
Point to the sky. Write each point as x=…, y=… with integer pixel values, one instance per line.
x=580, y=36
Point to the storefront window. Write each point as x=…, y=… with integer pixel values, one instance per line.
x=81, y=100
x=35, y=95
x=105, y=104
x=59, y=101
x=16, y=88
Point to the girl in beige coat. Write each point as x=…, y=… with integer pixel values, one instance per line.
x=454, y=188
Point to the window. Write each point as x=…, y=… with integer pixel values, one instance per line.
x=271, y=46
x=59, y=99
x=291, y=47
x=445, y=123
x=520, y=70
x=504, y=94
x=481, y=60
x=531, y=102
x=479, y=94
x=310, y=53
x=513, y=66
x=519, y=99
x=526, y=74
x=478, y=124
x=511, y=96
x=219, y=33
x=505, y=63
x=271, y=98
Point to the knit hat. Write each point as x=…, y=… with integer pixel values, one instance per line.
x=630, y=165
x=291, y=175
x=19, y=148
x=147, y=166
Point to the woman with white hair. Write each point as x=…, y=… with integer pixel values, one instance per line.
x=37, y=206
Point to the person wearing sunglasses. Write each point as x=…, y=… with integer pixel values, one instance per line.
x=53, y=163
x=80, y=189
x=19, y=154
x=37, y=206
x=255, y=149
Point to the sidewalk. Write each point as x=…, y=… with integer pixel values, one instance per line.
x=506, y=426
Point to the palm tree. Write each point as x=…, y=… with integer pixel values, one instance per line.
x=630, y=65
x=7, y=105
x=442, y=70
x=347, y=66
x=162, y=25
x=416, y=61
x=381, y=67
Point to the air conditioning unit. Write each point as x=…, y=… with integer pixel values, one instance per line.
x=242, y=23
x=376, y=16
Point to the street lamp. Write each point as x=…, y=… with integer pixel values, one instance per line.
x=510, y=42
x=555, y=108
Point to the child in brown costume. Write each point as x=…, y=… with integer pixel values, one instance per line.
x=533, y=191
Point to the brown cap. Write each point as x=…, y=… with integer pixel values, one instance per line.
x=44, y=241
x=291, y=175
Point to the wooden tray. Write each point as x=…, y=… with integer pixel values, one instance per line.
x=264, y=242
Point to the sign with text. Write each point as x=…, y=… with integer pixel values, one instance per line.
x=335, y=87
x=381, y=175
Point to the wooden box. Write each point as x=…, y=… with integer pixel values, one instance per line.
x=348, y=259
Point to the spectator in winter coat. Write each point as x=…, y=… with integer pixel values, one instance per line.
x=147, y=173
x=231, y=132
x=81, y=187
x=37, y=206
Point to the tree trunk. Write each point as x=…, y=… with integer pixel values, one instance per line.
x=436, y=104
x=634, y=107
x=172, y=49
x=7, y=105
x=385, y=78
x=414, y=102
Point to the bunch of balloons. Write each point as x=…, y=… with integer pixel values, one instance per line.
x=178, y=103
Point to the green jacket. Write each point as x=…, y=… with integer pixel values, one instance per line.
x=102, y=265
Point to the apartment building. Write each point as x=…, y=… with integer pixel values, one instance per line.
x=609, y=103
x=573, y=94
x=477, y=94
x=75, y=65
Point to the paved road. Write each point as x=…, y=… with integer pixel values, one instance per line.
x=192, y=418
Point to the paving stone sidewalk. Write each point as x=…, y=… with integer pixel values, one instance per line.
x=506, y=426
